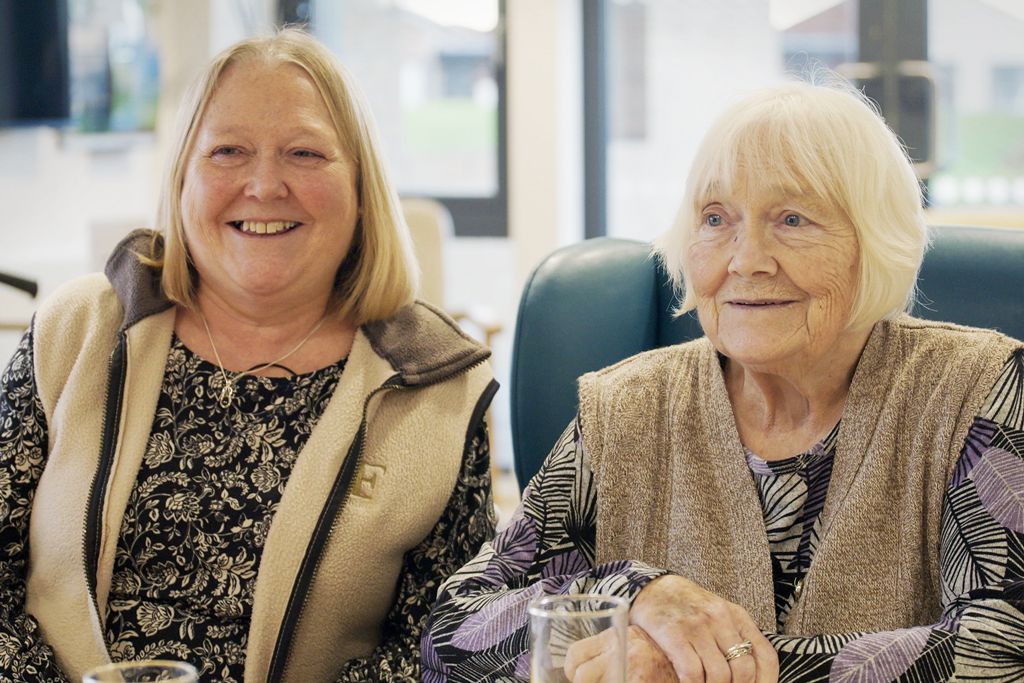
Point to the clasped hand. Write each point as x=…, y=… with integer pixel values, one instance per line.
x=680, y=632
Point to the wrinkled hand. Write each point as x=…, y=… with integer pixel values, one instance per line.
x=587, y=660
x=694, y=628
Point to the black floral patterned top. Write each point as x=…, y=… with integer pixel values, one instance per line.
x=195, y=524
x=194, y=528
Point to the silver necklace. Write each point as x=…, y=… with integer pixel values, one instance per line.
x=227, y=393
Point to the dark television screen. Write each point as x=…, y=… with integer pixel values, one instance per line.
x=34, y=73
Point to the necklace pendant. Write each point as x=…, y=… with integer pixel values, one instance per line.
x=227, y=395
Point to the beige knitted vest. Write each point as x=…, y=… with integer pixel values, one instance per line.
x=674, y=489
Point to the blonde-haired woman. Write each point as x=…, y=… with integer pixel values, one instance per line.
x=245, y=446
x=820, y=489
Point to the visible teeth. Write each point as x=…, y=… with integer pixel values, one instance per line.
x=268, y=228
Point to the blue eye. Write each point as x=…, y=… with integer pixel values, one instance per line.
x=714, y=220
x=793, y=220
x=308, y=154
x=225, y=151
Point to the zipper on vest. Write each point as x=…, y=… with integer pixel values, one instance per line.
x=113, y=400
x=325, y=525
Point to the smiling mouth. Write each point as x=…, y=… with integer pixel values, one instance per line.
x=264, y=227
x=760, y=303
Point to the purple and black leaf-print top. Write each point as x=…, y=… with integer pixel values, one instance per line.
x=479, y=627
x=792, y=493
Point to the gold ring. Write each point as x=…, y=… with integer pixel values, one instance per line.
x=739, y=650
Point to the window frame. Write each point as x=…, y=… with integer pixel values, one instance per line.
x=595, y=118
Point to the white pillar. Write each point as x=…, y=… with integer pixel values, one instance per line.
x=545, y=127
x=183, y=37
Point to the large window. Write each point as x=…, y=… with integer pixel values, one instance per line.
x=980, y=157
x=671, y=66
x=433, y=73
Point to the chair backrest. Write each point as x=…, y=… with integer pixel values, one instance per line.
x=591, y=304
x=430, y=225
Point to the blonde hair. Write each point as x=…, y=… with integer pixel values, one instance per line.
x=379, y=274
x=830, y=142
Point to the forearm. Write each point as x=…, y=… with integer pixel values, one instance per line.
x=24, y=653
x=878, y=657
x=981, y=634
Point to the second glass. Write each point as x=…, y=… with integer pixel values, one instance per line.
x=559, y=622
x=163, y=670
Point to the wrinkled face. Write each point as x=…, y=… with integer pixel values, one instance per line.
x=269, y=200
x=774, y=274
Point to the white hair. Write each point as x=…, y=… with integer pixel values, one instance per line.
x=830, y=142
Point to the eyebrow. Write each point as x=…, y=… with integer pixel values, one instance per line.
x=294, y=132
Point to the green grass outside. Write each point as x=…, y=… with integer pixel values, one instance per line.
x=450, y=125
x=988, y=145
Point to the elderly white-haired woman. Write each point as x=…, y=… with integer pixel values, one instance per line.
x=822, y=487
x=247, y=446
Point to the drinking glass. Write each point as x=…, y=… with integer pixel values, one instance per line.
x=145, y=671
x=557, y=622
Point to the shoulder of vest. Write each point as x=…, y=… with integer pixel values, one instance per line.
x=956, y=342
x=424, y=344
x=649, y=365
x=76, y=308
x=82, y=313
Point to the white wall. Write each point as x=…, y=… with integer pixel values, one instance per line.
x=545, y=127
x=54, y=187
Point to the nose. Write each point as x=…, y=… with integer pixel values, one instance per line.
x=752, y=249
x=267, y=180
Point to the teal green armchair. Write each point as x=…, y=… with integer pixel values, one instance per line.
x=599, y=301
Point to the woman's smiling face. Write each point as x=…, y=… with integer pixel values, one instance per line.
x=269, y=201
x=774, y=273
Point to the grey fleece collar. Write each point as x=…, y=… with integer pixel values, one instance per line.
x=137, y=286
x=420, y=342
x=424, y=344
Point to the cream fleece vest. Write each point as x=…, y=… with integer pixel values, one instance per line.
x=414, y=443
x=674, y=489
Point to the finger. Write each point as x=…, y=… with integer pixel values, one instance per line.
x=767, y=661
x=594, y=670
x=710, y=651
x=581, y=652
x=615, y=649
x=686, y=663
x=646, y=662
x=742, y=669
x=764, y=656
